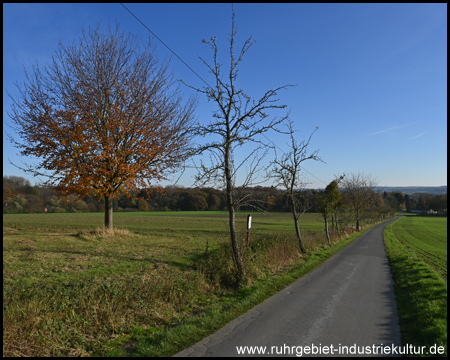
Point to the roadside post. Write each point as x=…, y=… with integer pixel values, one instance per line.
x=249, y=225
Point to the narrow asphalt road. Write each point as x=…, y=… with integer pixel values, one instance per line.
x=344, y=306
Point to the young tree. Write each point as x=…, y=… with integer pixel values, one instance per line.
x=359, y=193
x=287, y=173
x=102, y=118
x=331, y=200
x=238, y=120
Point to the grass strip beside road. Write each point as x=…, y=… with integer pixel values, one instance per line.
x=420, y=290
x=155, y=286
x=169, y=340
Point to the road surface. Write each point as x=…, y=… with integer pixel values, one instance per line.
x=344, y=306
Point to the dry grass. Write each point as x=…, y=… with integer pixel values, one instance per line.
x=281, y=257
x=103, y=232
x=68, y=292
x=73, y=319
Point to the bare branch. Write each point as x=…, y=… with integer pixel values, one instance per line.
x=286, y=172
x=237, y=121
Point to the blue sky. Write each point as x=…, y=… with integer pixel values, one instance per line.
x=372, y=77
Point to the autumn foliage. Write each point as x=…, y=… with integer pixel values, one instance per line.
x=102, y=118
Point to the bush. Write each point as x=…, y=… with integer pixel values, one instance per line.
x=264, y=255
x=217, y=266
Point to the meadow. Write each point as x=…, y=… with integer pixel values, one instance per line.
x=159, y=283
x=417, y=251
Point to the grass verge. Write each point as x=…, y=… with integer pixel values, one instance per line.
x=71, y=289
x=421, y=294
x=168, y=340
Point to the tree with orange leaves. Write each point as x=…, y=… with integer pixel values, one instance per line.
x=102, y=118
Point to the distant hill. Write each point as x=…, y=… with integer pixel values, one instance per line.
x=414, y=189
x=436, y=190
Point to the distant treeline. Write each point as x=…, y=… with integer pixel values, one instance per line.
x=436, y=190
x=21, y=197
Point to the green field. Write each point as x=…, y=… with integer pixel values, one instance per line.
x=417, y=251
x=427, y=238
x=52, y=243
x=69, y=289
x=163, y=222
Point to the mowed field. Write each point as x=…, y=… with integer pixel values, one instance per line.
x=37, y=244
x=69, y=289
x=427, y=238
x=161, y=222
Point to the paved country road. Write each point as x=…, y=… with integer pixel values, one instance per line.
x=345, y=305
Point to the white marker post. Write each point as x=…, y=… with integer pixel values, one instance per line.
x=249, y=225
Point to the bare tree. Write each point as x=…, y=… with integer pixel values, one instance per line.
x=287, y=173
x=238, y=120
x=359, y=191
x=102, y=118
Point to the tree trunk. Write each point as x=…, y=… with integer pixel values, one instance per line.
x=326, y=230
x=339, y=228
x=238, y=262
x=108, y=213
x=237, y=258
x=299, y=237
x=295, y=216
x=357, y=221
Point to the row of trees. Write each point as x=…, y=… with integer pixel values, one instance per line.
x=104, y=122
x=19, y=196
x=347, y=203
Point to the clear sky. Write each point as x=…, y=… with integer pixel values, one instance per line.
x=372, y=77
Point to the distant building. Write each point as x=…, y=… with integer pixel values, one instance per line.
x=430, y=212
x=418, y=211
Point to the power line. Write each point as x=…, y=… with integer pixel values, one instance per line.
x=173, y=52
x=303, y=168
x=162, y=42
